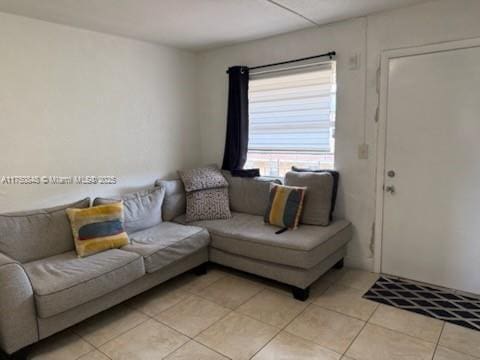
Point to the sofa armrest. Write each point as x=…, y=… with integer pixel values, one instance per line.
x=18, y=319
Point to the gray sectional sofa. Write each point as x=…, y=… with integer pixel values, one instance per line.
x=45, y=287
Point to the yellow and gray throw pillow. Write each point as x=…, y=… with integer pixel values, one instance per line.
x=285, y=206
x=98, y=228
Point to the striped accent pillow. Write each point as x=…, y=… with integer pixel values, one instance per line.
x=285, y=206
x=98, y=228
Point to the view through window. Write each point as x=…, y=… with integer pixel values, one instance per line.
x=292, y=120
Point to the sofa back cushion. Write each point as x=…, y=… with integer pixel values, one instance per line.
x=249, y=195
x=143, y=209
x=31, y=235
x=174, y=202
x=336, y=181
x=318, y=198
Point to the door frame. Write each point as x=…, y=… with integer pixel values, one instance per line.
x=386, y=56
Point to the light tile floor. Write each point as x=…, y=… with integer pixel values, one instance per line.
x=229, y=315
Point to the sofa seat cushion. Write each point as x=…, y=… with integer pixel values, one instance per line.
x=247, y=235
x=166, y=243
x=65, y=281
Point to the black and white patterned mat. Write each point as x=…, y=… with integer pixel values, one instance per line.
x=437, y=303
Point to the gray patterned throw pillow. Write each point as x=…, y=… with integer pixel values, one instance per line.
x=207, y=177
x=209, y=204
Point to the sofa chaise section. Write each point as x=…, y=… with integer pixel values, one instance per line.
x=247, y=235
x=295, y=257
x=244, y=242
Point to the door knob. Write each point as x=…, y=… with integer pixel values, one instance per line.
x=390, y=189
x=391, y=173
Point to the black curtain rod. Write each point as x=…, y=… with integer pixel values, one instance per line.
x=330, y=54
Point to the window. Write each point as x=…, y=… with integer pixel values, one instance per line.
x=292, y=119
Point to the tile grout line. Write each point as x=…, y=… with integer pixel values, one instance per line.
x=268, y=342
x=178, y=348
x=260, y=321
x=347, y=315
x=201, y=343
x=361, y=330
x=280, y=329
x=276, y=335
x=149, y=317
x=405, y=334
x=190, y=296
x=182, y=334
x=120, y=334
x=101, y=352
x=167, y=308
x=171, y=352
x=223, y=317
x=438, y=341
x=116, y=337
x=460, y=352
x=285, y=327
x=93, y=351
x=265, y=323
x=402, y=333
x=236, y=307
x=215, y=351
x=236, y=311
x=212, y=349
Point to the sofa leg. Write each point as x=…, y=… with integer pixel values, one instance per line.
x=301, y=294
x=19, y=355
x=339, y=264
x=201, y=269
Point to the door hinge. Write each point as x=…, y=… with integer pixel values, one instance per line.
x=377, y=114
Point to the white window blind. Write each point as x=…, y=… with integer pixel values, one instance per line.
x=293, y=111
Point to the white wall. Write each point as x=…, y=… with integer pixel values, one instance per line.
x=76, y=102
x=431, y=22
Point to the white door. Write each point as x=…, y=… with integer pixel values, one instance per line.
x=431, y=203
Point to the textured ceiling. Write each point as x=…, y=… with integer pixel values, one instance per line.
x=196, y=24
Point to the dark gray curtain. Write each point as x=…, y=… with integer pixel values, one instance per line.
x=236, y=143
